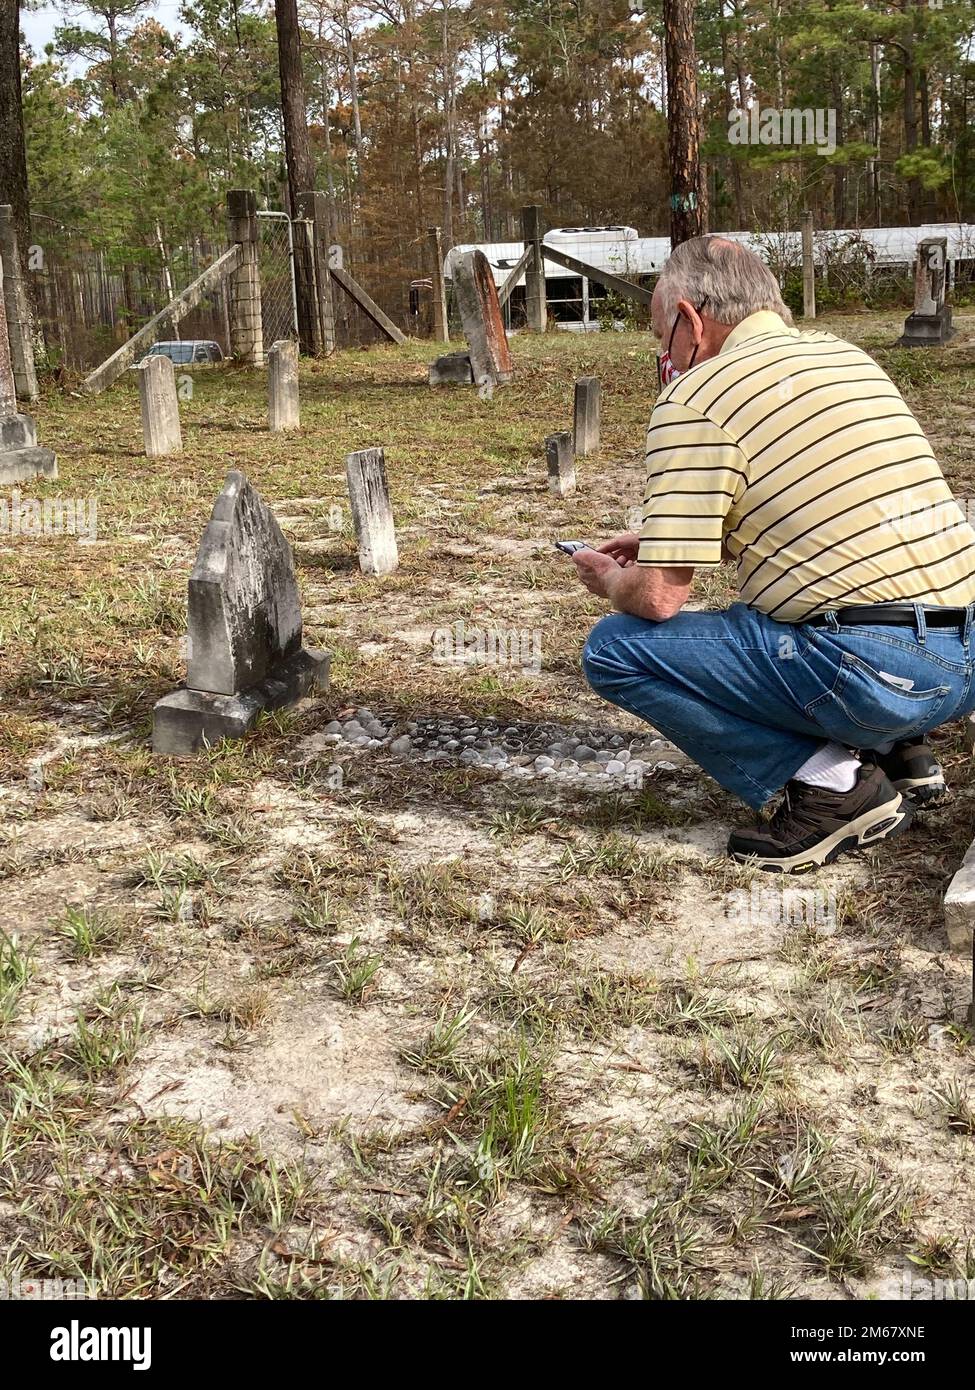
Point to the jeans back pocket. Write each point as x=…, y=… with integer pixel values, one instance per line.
x=867, y=706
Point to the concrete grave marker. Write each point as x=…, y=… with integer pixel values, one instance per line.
x=20, y=456
x=585, y=430
x=453, y=369
x=18, y=314
x=560, y=460
x=930, y=323
x=244, y=629
x=480, y=315
x=160, y=407
x=282, y=386
x=372, y=515
x=960, y=904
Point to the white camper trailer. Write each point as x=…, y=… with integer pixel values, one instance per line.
x=573, y=300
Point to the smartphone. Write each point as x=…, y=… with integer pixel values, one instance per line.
x=570, y=547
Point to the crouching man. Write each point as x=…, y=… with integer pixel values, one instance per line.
x=794, y=455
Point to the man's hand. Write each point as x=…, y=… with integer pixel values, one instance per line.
x=647, y=591
x=623, y=548
x=596, y=570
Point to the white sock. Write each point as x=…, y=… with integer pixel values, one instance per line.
x=832, y=767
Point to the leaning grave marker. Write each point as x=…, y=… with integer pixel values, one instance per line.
x=244, y=651
x=20, y=456
x=476, y=296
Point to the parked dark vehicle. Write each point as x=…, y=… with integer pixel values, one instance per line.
x=193, y=352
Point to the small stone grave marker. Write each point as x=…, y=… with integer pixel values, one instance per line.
x=372, y=514
x=160, y=407
x=586, y=416
x=20, y=456
x=930, y=323
x=560, y=460
x=282, y=386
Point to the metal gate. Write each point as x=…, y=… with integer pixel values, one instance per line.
x=276, y=252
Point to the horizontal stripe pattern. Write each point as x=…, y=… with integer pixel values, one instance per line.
x=797, y=454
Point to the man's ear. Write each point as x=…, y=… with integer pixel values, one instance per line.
x=685, y=307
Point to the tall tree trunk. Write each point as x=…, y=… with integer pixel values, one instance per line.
x=449, y=100
x=301, y=166
x=839, y=170
x=929, y=200
x=730, y=105
x=874, y=162
x=688, y=193
x=13, y=153
x=910, y=114
x=353, y=92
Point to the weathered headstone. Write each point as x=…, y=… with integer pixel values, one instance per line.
x=282, y=386
x=453, y=369
x=960, y=904
x=968, y=732
x=160, y=407
x=372, y=514
x=244, y=651
x=480, y=314
x=560, y=460
x=930, y=323
x=18, y=315
x=585, y=432
x=20, y=457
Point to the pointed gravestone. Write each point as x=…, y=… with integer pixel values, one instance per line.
x=244, y=651
x=20, y=457
x=480, y=314
x=930, y=323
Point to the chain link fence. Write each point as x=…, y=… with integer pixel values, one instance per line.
x=89, y=301
x=277, y=267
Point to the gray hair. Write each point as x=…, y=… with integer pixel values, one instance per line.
x=734, y=281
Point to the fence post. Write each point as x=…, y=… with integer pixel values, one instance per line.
x=441, y=333
x=808, y=268
x=18, y=317
x=314, y=208
x=531, y=230
x=244, y=283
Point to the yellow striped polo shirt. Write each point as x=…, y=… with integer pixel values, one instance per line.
x=799, y=453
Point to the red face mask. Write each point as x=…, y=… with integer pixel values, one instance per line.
x=666, y=371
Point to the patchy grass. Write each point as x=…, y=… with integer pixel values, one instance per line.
x=498, y=1037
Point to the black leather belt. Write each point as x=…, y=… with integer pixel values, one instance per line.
x=892, y=615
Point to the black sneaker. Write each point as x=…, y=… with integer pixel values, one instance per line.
x=911, y=767
x=814, y=826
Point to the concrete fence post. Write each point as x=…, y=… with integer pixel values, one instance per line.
x=244, y=282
